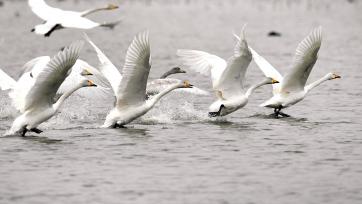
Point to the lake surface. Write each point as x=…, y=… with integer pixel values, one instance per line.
x=175, y=153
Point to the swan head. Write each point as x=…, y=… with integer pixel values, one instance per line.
x=86, y=72
x=87, y=83
x=333, y=76
x=111, y=7
x=176, y=70
x=186, y=84
x=269, y=80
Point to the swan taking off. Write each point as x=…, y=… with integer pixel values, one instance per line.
x=37, y=103
x=227, y=77
x=55, y=18
x=130, y=87
x=293, y=88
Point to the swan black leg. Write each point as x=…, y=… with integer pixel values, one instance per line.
x=36, y=130
x=56, y=27
x=276, y=112
x=24, y=132
x=215, y=114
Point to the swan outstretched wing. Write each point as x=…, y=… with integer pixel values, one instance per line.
x=43, y=10
x=6, y=82
x=267, y=69
x=106, y=67
x=156, y=86
x=203, y=63
x=304, y=60
x=52, y=76
x=231, y=81
x=29, y=73
x=35, y=66
x=132, y=88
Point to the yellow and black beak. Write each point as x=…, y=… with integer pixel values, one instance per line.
x=112, y=7
x=274, y=81
x=187, y=84
x=90, y=83
x=335, y=76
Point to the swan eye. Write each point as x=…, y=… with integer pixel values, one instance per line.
x=112, y=6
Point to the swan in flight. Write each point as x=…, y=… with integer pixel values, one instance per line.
x=130, y=87
x=55, y=18
x=36, y=104
x=227, y=76
x=293, y=88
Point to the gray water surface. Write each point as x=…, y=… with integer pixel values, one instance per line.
x=175, y=153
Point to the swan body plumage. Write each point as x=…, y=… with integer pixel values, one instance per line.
x=293, y=88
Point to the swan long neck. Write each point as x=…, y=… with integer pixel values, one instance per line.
x=252, y=88
x=166, y=74
x=62, y=98
x=157, y=97
x=90, y=11
x=316, y=83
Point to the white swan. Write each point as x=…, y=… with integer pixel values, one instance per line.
x=56, y=18
x=38, y=104
x=130, y=87
x=293, y=88
x=227, y=77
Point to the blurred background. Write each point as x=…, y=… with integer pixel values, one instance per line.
x=175, y=153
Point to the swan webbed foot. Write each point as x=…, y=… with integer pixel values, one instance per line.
x=36, y=130
x=213, y=114
x=117, y=125
x=284, y=114
x=277, y=112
